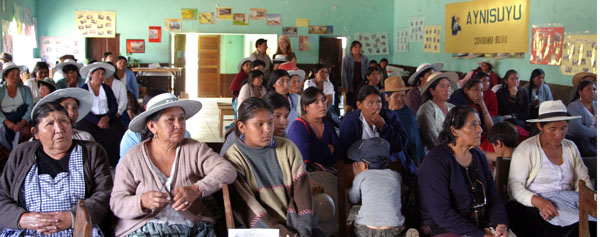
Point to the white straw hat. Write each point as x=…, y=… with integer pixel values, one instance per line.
x=82, y=96
x=160, y=102
x=60, y=66
x=109, y=70
x=421, y=68
x=552, y=111
x=451, y=76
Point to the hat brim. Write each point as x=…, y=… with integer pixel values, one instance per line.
x=579, y=76
x=436, y=67
x=553, y=119
x=46, y=84
x=83, y=96
x=21, y=69
x=397, y=89
x=297, y=72
x=452, y=77
x=239, y=67
x=108, y=69
x=484, y=61
x=60, y=66
x=190, y=108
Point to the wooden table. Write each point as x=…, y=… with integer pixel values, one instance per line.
x=175, y=76
x=224, y=109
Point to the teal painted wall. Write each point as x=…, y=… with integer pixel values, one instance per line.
x=56, y=18
x=575, y=15
x=232, y=50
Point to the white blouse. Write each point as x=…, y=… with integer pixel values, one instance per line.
x=11, y=104
x=552, y=177
x=100, y=105
x=328, y=88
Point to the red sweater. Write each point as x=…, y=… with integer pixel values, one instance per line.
x=491, y=101
x=236, y=84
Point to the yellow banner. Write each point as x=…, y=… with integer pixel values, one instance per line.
x=495, y=26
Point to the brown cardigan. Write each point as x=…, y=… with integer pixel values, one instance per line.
x=197, y=165
x=98, y=181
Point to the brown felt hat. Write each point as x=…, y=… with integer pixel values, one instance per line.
x=395, y=83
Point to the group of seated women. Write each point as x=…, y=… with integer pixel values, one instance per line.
x=161, y=184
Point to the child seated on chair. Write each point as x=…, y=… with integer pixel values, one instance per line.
x=377, y=188
x=504, y=138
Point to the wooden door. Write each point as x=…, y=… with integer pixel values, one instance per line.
x=95, y=47
x=179, y=59
x=330, y=50
x=209, y=82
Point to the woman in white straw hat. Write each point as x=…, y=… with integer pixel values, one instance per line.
x=77, y=102
x=16, y=103
x=418, y=80
x=70, y=69
x=485, y=66
x=40, y=72
x=102, y=121
x=430, y=116
x=544, y=174
x=160, y=182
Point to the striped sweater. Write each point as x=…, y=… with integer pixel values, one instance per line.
x=272, y=189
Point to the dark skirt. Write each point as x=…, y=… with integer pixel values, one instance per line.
x=109, y=138
x=526, y=221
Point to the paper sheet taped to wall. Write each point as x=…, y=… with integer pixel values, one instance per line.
x=95, y=24
x=579, y=54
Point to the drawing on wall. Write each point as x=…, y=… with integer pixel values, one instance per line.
x=274, y=19
x=579, y=54
x=189, y=13
x=173, y=24
x=258, y=14
x=546, y=45
x=224, y=13
x=432, y=39
x=416, y=28
x=51, y=48
x=95, y=23
x=303, y=43
x=290, y=31
x=206, y=18
x=402, y=39
x=154, y=34
x=373, y=43
x=320, y=29
x=302, y=22
x=240, y=19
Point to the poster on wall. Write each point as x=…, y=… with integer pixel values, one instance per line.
x=402, y=36
x=546, y=45
x=51, y=48
x=303, y=44
x=240, y=19
x=27, y=17
x=136, y=46
x=302, y=22
x=373, y=43
x=579, y=54
x=432, y=39
x=206, y=18
x=154, y=34
x=289, y=31
x=320, y=29
x=504, y=27
x=173, y=24
x=258, y=14
x=18, y=16
x=274, y=19
x=96, y=24
x=416, y=25
x=224, y=13
x=189, y=13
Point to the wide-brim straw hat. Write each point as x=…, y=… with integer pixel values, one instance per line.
x=48, y=82
x=82, y=96
x=298, y=72
x=109, y=70
x=579, y=76
x=6, y=56
x=9, y=66
x=421, y=68
x=60, y=66
x=244, y=60
x=552, y=111
x=485, y=61
x=451, y=76
x=161, y=102
x=395, y=83
x=280, y=58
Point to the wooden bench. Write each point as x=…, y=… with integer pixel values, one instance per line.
x=587, y=206
x=224, y=109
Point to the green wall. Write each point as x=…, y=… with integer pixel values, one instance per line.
x=575, y=15
x=232, y=50
x=56, y=18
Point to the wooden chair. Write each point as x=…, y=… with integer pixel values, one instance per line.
x=83, y=221
x=502, y=169
x=587, y=206
x=227, y=205
x=345, y=177
x=224, y=109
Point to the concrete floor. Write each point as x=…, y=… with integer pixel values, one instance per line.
x=204, y=126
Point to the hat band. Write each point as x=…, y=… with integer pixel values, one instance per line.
x=162, y=102
x=553, y=114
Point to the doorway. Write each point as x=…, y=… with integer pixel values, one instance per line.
x=95, y=47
